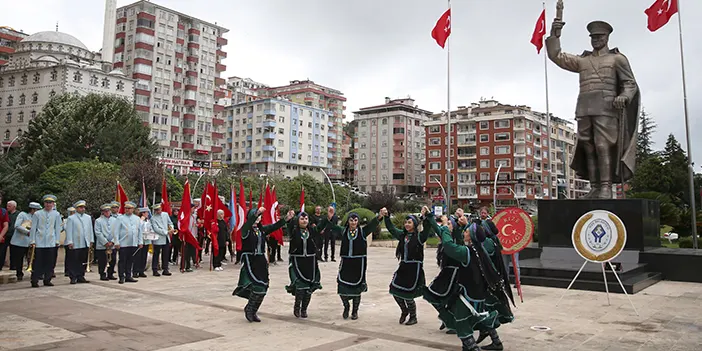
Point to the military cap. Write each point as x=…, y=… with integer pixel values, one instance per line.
x=143, y=209
x=157, y=206
x=599, y=28
x=114, y=204
x=105, y=207
x=35, y=206
x=71, y=209
x=48, y=198
x=79, y=203
x=129, y=204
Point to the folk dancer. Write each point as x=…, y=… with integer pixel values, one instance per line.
x=44, y=237
x=163, y=227
x=253, y=278
x=304, y=267
x=408, y=281
x=20, y=239
x=142, y=256
x=176, y=243
x=79, y=238
x=219, y=231
x=351, y=280
x=104, y=241
x=128, y=239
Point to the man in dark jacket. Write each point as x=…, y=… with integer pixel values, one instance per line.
x=176, y=238
x=330, y=239
x=316, y=220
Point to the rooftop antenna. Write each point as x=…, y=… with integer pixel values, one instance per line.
x=57, y=26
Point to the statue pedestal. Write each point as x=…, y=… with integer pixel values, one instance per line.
x=559, y=262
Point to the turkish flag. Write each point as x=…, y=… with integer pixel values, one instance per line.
x=121, y=197
x=275, y=213
x=211, y=216
x=660, y=13
x=539, y=32
x=165, y=204
x=185, y=217
x=442, y=29
x=267, y=216
x=241, y=215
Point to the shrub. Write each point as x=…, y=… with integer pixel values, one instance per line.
x=398, y=220
x=685, y=243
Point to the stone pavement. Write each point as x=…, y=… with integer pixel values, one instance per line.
x=196, y=311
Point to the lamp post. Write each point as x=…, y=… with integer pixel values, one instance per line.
x=513, y=193
x=442, y=189
x=10, y=145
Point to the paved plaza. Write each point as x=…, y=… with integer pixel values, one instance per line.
x=196, y=311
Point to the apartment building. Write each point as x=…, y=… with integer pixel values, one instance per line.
x=47, y=64
x=312, y=95
x=348, y=152
x=488, y=136
x=244, y=89
x=8, y=42
x=389, y=147
x=176, y=60
x=279, y=137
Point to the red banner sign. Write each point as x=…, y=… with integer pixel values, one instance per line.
x=516, y=229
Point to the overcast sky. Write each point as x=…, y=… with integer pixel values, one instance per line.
x=370, y=49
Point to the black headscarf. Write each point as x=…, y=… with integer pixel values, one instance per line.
x=415, y=220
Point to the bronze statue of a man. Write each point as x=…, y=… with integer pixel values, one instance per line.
x=607, y=109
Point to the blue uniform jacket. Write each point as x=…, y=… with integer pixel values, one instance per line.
x=160, y=224
x=79, y=231
x=21, y=236
x=46, y=229
x=127, y=231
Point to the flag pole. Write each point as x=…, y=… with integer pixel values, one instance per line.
x=691, y=173
x=548, y=123
x=448, y=116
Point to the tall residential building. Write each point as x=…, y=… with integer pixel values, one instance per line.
x=487, y=135
x=389, y=147
x=310, y=94
x=47, y=64
x=9, y=38
x=244, y=89
x=176, y=60
x=278, y=136
x=348, y=152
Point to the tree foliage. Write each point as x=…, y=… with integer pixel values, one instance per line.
x=377, y=200
x=644, y=142
x=78, y=128
x=676, y=167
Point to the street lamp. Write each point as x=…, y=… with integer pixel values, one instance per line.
x=442, y=189
x=513, y=193
x=10, y=146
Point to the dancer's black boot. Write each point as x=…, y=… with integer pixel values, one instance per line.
x=403, y=307
x=469, y=344
x=496, y=342
x=356, y=303
x=255, y=301
x=412, y=307
x=483, y=335
x=305, y=303
x=298, y=303
x=347, y=307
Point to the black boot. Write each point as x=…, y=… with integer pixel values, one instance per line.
x=469, y=344
x=412, y=307
x=483, y=335
x=496, y=342
x=305, y=303
x=255, y=300
x=403, y=307
x=298, y=303
x=354, y=311
x=347, y=307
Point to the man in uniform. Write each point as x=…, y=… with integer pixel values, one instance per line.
x=44, y=237
x=20, y=239
x=79, y=238
x=128, y=239
x=71, y=210
x=607, y=109
x=104, y=242
x=162, y=226
x=114, y=208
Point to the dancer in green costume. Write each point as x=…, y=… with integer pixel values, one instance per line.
x=304, y=267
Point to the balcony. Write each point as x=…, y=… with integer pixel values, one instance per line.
x=174, y=143
x=177, y=85
x=190, y=87
x=189, y=117
x=176, y=99
x=249, y=138
x=193, y=45
x=398, y=147
x=466, y=142
x=520, y=166
x=218, y=94
x=221, y=54
x=217, y=122
x=330, y=124
x=189, y=131
x=221, y=41
x=269, y=135
x=519, y=141
x=216, y=149
x=175, y=113
x=269, y=111
x=331, y=136
x=269, y=123
x=218, y=108
x=466, y=156
x=220, y=67
x=193, y=31
x=191, y=74
x=192, y=59
x=268, y=159
x=519, y=126
x=330, y=155
x=519, y=153
x=216, y=135
x=466, y=181
x=398, y=137
x=175, y=129
x=268, y=148
x=188, y=146
x=220, y=81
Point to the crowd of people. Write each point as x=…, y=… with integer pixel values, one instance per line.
x=470, y=293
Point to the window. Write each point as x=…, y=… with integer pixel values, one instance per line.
x=11, y=81
x=484, y=163
x=434, y=129
x=32, y=114
x=24, y=79
x=484, y=190
x=120, y=86
x=384, y=155
x=93, y=80
x=435, y=141
x=35, y=98
x=52, y=93
x=484, y=138
x=54, y=75
x=37, y=78
x=484, y=151
x=502, y=150
x=484, y=125
x=2, y=82
x=23, y=99
x=384, y=121
x=7, y=134
x=501, y=124
x=502, y=137
x=435, y=165
x=78, y=77
x=485, y=176
x=502, y=162
x=435, y=153
x=10, y=100
x=8, y=119
x=20, y=117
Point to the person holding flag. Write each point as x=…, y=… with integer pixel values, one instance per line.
x=304, y=267
x=253, y=278
x=162, y=226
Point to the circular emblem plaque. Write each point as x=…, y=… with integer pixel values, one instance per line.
x=516, y=229
x=599, y=236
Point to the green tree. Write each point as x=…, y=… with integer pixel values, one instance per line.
x=651, y=175
x=676, y=167
x=644, y=141
x=77, y=128
x=12, y=184
x=377, y=200
x=669, y=212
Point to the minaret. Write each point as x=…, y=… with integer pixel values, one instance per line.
x=108, y=36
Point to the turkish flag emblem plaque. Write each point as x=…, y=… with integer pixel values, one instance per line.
x=516, y=229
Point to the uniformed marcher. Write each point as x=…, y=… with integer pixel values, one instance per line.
x=351, y=280
x=304, y=265
x=114, y=208
x=20, y=239
x=253, y=277
x=79, y=238
x=105, y=243
x=128, y=239
x=408, y=282
x=163, y=227
x=44, y=236
x=141, y=257
x=66, y=271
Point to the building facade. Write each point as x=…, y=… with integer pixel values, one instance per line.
x=389, y=147
x=279, y=137
x=176, y=60
x=349, y=151
x=47, y=64
x=488, y=136
x=9, y=38
x=243, y=89
x=310, y=94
